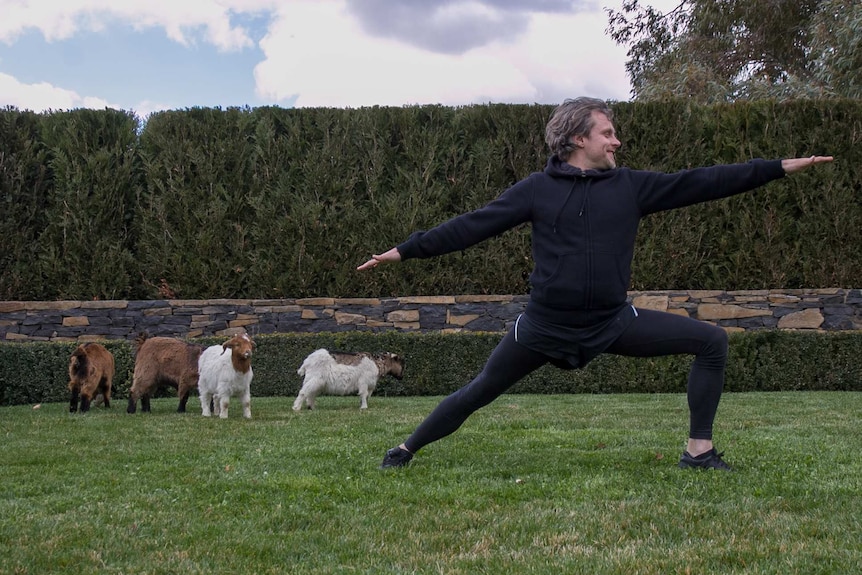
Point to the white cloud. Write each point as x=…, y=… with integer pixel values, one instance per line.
x=181, y=19
x=313, y=50
x=317, y=53
x=322, y=53
x=43, y=96
x=566, y=56
x=146, y=107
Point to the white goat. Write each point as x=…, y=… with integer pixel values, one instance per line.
x=342, y=373
x=224, y=376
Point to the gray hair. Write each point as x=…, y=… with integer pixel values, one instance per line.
x=574, y=117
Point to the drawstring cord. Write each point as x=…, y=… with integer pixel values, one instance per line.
x=568, y=196
x=584, y=203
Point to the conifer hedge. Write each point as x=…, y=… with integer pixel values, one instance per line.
x=272, y=202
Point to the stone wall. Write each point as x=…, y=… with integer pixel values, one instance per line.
x=816, y=309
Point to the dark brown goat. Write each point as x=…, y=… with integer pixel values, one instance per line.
x=91, y=372
x=163, y=361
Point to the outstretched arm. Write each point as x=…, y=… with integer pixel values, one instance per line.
x=797, y=164
x=391, y=256
x=512, y=207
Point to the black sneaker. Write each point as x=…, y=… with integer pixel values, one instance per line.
x=709, y=460
x=396, y=457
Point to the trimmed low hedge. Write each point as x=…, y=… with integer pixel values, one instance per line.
x=437, y=364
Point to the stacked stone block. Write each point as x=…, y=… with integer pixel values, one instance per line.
x=811, y=310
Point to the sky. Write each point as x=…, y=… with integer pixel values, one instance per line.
x=151, y=55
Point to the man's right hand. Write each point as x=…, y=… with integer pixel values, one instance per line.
x=392, y=255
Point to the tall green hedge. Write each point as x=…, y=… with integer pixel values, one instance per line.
x=437, y=364
x=25, y=188
x=273, y=202
x=68, y=182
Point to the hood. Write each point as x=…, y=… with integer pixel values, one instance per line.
x=559, y=169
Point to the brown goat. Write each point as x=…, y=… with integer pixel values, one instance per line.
x=91, y=372
x=163, y=361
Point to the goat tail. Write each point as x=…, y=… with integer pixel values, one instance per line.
x=77, y=368
x=83, y=365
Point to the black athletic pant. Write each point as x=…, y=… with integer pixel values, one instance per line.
x=651, y=334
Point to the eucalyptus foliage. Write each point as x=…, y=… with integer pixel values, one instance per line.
x=725, y=50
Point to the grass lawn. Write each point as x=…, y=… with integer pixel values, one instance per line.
x=530, y=484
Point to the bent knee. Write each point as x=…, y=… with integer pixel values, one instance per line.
x=715, y=344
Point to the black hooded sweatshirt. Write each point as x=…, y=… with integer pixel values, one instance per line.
x=584, y=225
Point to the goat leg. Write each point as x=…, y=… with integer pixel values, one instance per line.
x=73, y=402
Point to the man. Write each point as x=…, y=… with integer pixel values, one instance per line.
x=584, y=213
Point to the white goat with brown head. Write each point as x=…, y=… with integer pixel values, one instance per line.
x=343, y=373
x=224, y=375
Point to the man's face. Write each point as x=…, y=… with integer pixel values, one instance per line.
x=597, y=150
